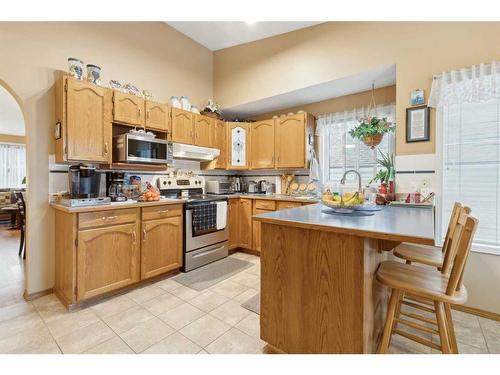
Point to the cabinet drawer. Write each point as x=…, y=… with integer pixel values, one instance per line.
x=264, y=204
x=160, y=212
x=106, y=218
x=286, y=204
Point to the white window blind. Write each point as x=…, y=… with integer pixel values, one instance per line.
x=471, y=168
x=340, y=152
x=12, y=165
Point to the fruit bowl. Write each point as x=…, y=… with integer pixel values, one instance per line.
x=344, y=203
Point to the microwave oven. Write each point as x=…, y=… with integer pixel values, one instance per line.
x=132, y=148
x=219, y=187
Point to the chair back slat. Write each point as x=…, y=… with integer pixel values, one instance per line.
x=452, y=237
x=468, y=226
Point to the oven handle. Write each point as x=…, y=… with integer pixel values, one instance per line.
x=208, y=252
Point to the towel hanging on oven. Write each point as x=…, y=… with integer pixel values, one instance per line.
x=204, y=218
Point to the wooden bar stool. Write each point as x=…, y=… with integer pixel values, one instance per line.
x=442, y=288
x=431, y=255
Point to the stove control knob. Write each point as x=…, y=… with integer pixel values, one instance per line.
x=170, y=182
x=164, y=182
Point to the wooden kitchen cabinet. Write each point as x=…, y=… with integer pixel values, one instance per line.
x=262, y=145
x=245, y=223
x=108, y=259
x=234, y=219
x=219, y=141
x=256, y=229
x=203, y=127
x=128, y=109
x=293, y=140
x=161, y=247
x=238, y=145
x=158, y=116
x=182, y=126
x=84, y=117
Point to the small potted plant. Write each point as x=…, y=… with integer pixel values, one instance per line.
x=386, y=161
x=371, y=130
x=211, y=109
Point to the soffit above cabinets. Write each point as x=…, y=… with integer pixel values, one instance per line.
x=219, y=35
x=381, y=77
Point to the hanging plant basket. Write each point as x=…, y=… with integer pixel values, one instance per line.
x=373, y=140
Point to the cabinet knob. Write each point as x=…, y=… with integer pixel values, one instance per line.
x=147, y=115
x=138, y=112
x=144, y=234
x=105, y=147
x=134, y=237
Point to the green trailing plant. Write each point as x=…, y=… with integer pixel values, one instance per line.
x=371, y=126
x=386, y=161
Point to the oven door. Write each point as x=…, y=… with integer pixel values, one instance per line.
x=203, y=240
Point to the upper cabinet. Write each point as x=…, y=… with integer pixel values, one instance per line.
x=158, y=116
x=182, y=126
x=293, y=140
x=84, y=117
x=219, y=141
x=238, y=143
x=262, y=144
x=128, y=109
x=203, y=126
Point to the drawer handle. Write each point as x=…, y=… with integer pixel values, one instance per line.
x=162, y=212
x=109, y=217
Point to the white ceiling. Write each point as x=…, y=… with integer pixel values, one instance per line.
x=11, y=117
x=381, y=77
x=219, y=35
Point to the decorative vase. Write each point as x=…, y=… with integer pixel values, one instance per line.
x=94, y=74
x=75, y=68
x=373, y=140
x=211, y=114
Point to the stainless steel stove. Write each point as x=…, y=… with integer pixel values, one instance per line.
x=206, y=231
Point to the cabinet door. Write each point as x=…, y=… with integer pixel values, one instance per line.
x=182, y=126
x=203, y=126
x=157, y=116
x=290, y=142
x=88, y=122
x=262, y=156
x=219, y=141
x=108, y=259
x=256, y=229
x=238, y=143
x=161, y=246
x=128, y=109
x=234, y=218
x=245, y=223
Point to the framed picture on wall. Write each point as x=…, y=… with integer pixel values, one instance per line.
x=417, y=97
x=417, y=124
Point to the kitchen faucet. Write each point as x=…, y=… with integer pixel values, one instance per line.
x=342, y=180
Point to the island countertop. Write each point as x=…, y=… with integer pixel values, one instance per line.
x=402, y=224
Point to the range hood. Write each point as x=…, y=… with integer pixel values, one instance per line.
x=190, y=152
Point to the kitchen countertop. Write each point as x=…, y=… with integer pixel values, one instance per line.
x=401, y=224
x=115, y=205
x=132, y=204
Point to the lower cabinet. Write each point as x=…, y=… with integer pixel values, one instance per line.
x=161, y=246
x=240, y=223
x=108, y=259
x=256, y=228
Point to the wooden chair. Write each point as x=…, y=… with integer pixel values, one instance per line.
x=431, y=255
x=22, y=223
x=443, y=288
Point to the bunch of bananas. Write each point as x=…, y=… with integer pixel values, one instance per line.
x=344, y=200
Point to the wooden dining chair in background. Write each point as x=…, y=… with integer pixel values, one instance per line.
x=442, y=288
x=431, y=255
x=22, y=223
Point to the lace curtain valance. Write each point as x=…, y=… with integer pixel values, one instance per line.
x=475, y=84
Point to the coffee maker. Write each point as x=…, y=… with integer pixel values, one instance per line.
x=114, y=186
x=84, y=181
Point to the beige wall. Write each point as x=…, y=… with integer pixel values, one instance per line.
x=152, y=56
x=383, y=95
x=7, y=138
x=330, y=51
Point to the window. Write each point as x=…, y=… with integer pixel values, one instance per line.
x=12, y=165
x=470, y=167
x=340, y=152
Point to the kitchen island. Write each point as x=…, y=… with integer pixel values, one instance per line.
x=318, y=288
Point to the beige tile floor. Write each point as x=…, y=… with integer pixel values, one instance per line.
x=167, y=317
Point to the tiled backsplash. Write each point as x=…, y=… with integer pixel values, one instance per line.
x=414, y=171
